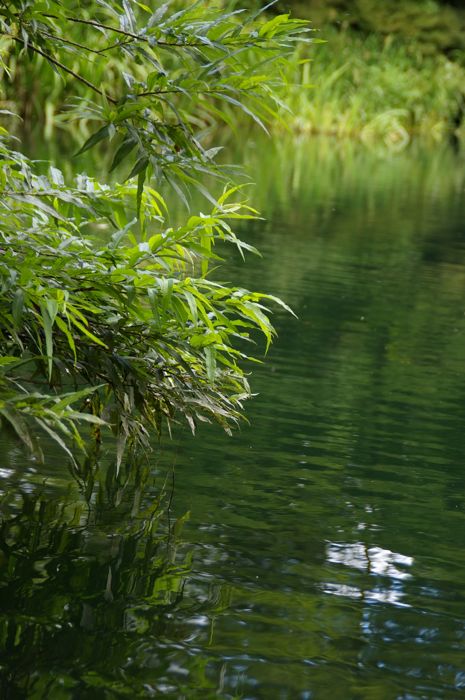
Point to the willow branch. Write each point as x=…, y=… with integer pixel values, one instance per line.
x=131, y=35
x=69, y=42
x=64, y=68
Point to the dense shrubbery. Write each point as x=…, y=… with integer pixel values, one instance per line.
x=389, y=71
x=433, y=26
x=381, y=92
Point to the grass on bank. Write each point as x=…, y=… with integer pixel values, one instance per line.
x=382, y=91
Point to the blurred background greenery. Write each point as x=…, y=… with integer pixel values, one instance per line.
x=386, y=72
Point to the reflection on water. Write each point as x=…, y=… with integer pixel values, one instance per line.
x=84, y=588
x=328, y=537
x=375, y=561
x=338, y=518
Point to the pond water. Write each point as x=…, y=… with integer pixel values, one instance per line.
x=324, y=556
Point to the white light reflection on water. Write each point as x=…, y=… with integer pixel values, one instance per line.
x=374, y=561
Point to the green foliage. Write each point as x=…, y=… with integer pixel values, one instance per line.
x=388, y=71
x=134, y=318
x=382, y=92
x=107, y=316
x=150, y=79
x=426, y=24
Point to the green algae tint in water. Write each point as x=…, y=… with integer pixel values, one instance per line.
x=328, y=537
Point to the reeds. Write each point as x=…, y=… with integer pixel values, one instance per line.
x=382, y=92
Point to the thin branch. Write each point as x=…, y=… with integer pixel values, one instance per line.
x=82, y=46
x=44, y=193
x=138, y=37
x=114, y=46
x=178, y=91
x=69, y=42
x=98, y=25
x=64, y=68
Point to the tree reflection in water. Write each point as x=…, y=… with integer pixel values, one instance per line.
x=88, y=584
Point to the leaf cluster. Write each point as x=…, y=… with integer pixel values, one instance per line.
x=150, y=80
x=115, y=314
x=107, y=315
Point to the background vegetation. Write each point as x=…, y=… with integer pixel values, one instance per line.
x=388, y=71
x=435, y=25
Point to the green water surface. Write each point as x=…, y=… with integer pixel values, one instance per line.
x=324, y=556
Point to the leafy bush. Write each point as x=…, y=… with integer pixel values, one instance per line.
x=107, y=316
